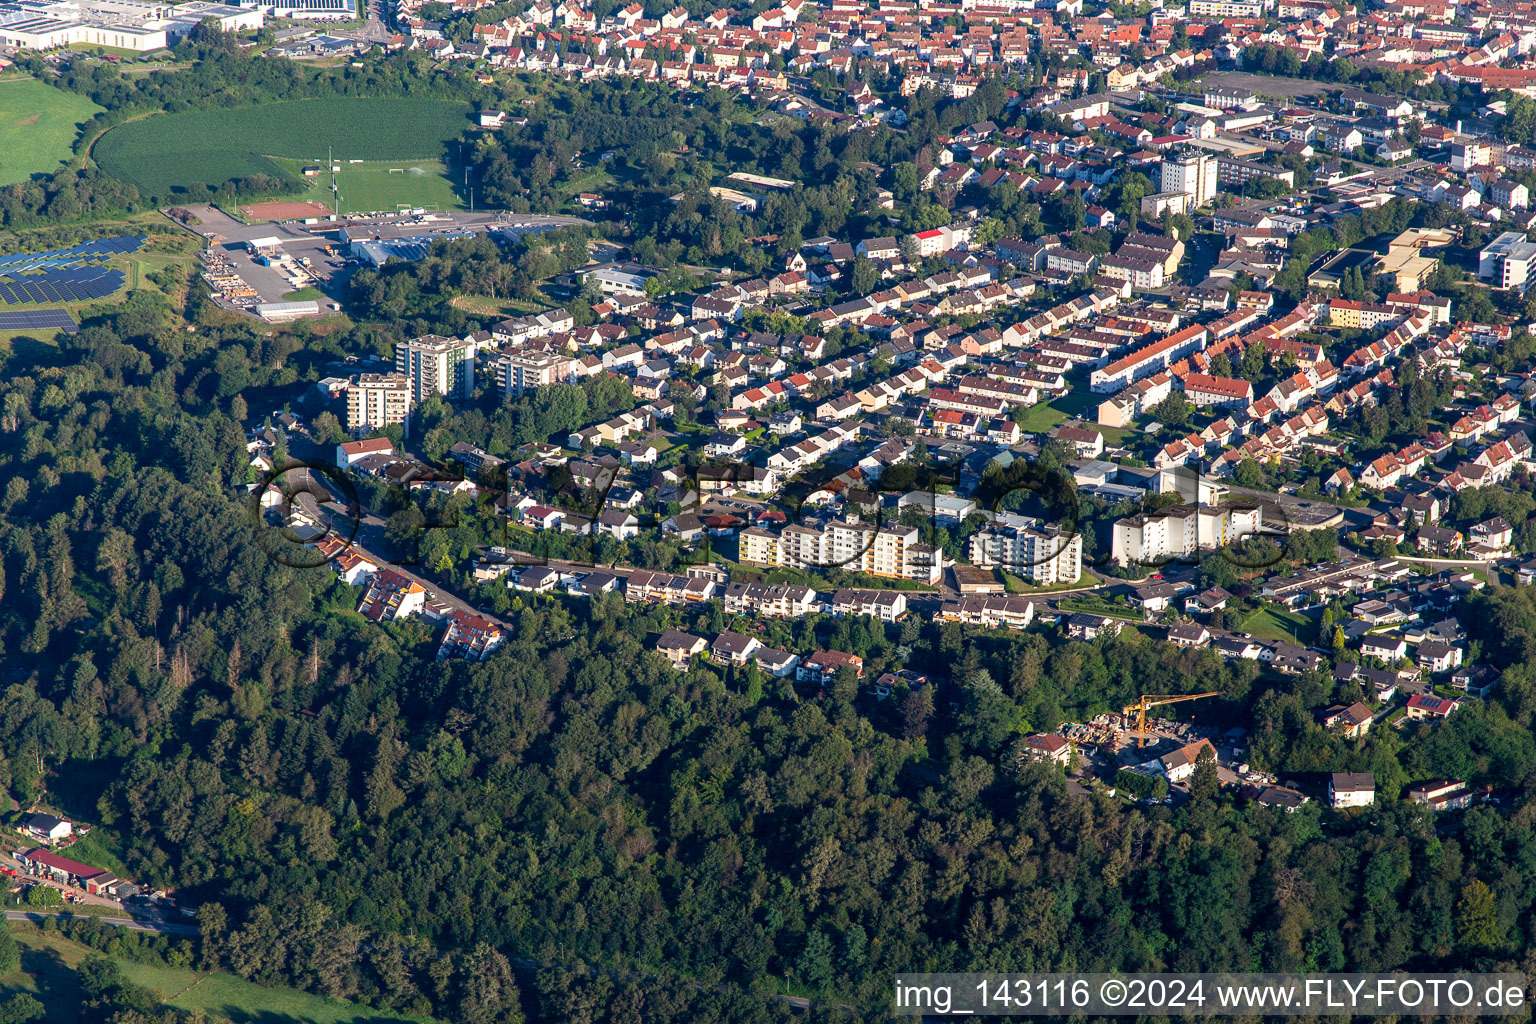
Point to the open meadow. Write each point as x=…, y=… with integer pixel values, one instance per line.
x=38, y=125
x=49, y=961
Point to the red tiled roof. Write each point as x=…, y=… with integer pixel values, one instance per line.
x=53, y=860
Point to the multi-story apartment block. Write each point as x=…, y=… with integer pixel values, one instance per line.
x=1179, y=531
x=437, y=366
x=1193, y=173
x=1234, y=172
x=891, y=551
x=377, y=400
x=525, y=371
x=1042, y=555
x=1506, y=262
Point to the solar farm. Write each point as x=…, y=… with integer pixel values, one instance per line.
x=38, y=320
x=75, y=274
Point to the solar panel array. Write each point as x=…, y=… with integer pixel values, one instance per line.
x=38, y=320
x=93, y=250
x=64, y=284
x=74, y=274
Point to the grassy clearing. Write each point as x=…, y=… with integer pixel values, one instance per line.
x=1270, y=624
x=377, y=185
x=119, y=51
x=48, y=966
x=484, y=305
x=1017, y=585
x=168, y=153
x=1477, y=569
x=98, y=849
x=247, y=1003
x=1099, y=606
x=595, y=180
x=1049, y=415
x=38, y=126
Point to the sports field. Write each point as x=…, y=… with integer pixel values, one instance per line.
x=167, y=153
x=38, y=125
x=378, y=185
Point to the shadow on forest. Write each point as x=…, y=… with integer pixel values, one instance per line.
x=245, y=1015
x=56, y=987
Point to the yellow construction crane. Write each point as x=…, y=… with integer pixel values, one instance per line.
x=1153, y=700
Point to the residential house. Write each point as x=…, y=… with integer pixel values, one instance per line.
x=1427, y=707
x=1048, y=747
x=1351, y=789
x=680, y=648
x=822, y=667
x=1353, y=721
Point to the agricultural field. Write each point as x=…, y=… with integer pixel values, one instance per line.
x=168, y=153
x=38, y=125
x=49, y=960
x=378, y=185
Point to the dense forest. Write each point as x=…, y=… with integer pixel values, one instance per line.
x=572, y=831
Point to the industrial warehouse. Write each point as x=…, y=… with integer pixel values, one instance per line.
x=123, y=24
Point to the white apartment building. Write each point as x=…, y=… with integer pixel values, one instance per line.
x=1193, y=173
x=892, y=551
x=1469, y=154
x=524, y=371
x=1506, y=262
x=1181, y=530
x=1352, y=789
x=1144, y=275
x=1224, y=9
x=1041, y=556
x=377, y=400
x=1202, y=389
x=437, y=366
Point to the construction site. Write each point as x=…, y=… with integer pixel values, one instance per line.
x=1137, y=741
x=1110, y=733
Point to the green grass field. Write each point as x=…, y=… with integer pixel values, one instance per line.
x=38, y=125
x=48, y=962
x=1049, y=415
x=1099, y=606
x=484, y=305
x=1272, y=625
x=377, y=184
x=167, y=153
x=98, y=849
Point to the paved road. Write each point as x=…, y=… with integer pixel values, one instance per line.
x=147, y=924
x=370, y=542
x=375, y=30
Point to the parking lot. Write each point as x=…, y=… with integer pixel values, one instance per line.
x=229, y=248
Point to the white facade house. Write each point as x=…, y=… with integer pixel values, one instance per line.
x=1352, y=789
